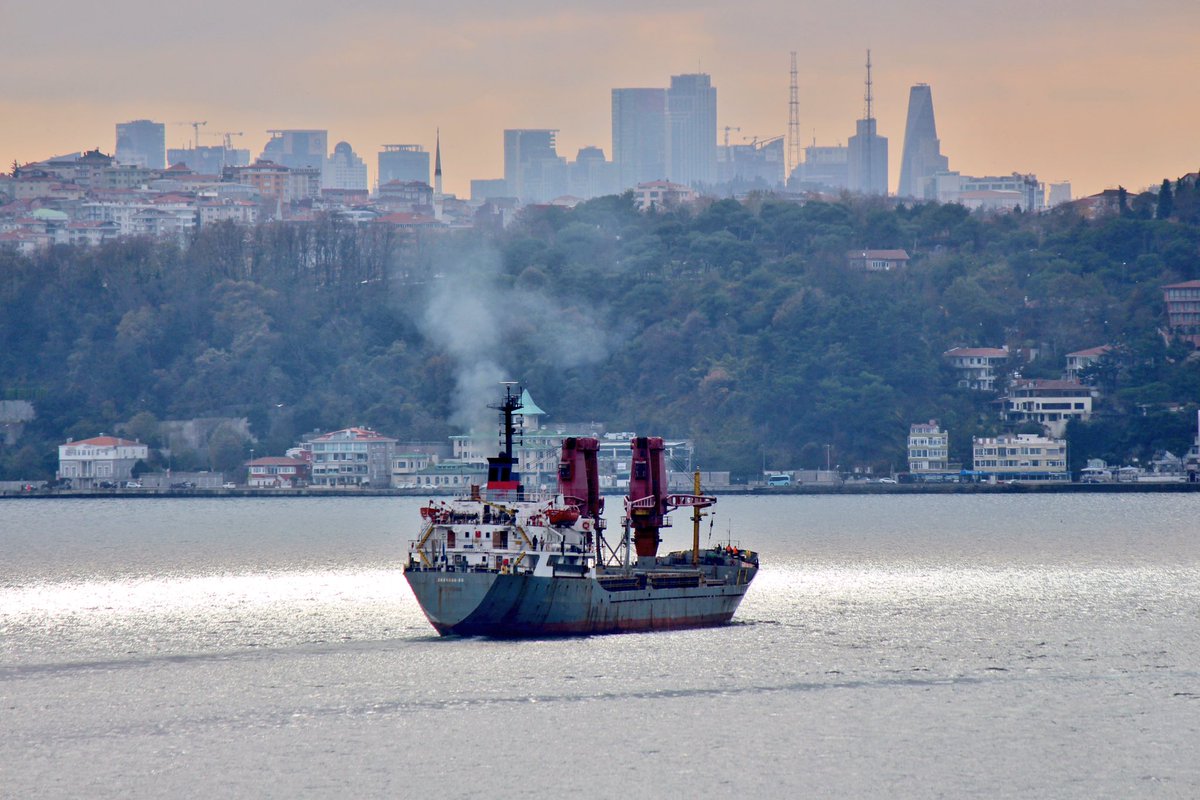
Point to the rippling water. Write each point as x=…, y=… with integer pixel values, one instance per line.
x=922, y=646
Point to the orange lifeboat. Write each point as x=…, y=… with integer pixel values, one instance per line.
x=562, y=516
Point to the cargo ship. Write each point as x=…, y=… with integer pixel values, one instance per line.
x=501, y=561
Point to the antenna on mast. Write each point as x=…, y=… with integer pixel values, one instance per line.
x=793, y=142
x=870, y=96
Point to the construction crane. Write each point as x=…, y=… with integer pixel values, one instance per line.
x=227, y=137
x=195, y=132
x=729, y=128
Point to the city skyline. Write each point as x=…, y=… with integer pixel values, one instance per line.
x=1036, y=92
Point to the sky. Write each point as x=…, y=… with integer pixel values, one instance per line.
x=1097, y=92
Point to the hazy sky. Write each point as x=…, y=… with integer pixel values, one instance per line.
x=1098, y=92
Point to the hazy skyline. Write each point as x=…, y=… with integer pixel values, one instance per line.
x=1099, y=93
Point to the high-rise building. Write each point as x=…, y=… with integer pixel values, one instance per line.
x=142, y=143
x=824, y=168
x=591, y=174
x=344, y=169
x=404, y=163
x=639, y=135
x=533, y=169
x=868, y=154
x=297, y=148
x=1059, y=193
x=206, y=160
x=692, y=129
x=922, y=157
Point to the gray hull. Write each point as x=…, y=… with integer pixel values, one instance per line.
x=508, y=605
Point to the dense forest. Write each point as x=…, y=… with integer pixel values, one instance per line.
x=735, y=323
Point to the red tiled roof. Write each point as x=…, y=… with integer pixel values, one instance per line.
x=1184, y=285
x=106, y=441
x=276, y=461
x=353, y=434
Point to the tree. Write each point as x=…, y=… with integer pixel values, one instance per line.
x=1166, y=201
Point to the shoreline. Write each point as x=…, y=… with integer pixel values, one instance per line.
x=757, y=491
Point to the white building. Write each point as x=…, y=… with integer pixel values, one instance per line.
x=977, y=366
x=102, y=459
x=662, y=194
x=928, y=448
x=1022, y=457
x=351, y=457
x=344, y=169
x=1080, y=360
x=1051, y=404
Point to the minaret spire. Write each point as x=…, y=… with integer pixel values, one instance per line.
x=439, y=199
x=437, y=164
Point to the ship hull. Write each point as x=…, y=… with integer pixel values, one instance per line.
x=508, y=605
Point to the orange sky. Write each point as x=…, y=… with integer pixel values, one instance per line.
x=1100, y=93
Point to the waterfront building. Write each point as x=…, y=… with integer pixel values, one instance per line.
x=692, y=130
x=89, y=463
x=404, y=163
x=639, y=135
x=142, y=143
x=928, y=448
x=1020, y=457
x=922, y=156
x=1049, y=403
x=1183, y=311
x=351, y=457
x=977, y=366
x=276, y=472
x=344, y=170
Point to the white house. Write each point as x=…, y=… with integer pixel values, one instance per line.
x=103, y=459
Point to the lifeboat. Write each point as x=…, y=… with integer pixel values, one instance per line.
x=562, y=516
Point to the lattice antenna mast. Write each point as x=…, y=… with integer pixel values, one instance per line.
x=869, y=184
x=793, y=143
x=870, y=96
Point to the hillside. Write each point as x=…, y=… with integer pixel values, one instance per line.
x=739, y=325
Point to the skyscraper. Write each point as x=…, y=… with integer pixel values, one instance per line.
x=639, y=135
x=344, y=170
x=922, y=157
x=142, y=143
x=533, y=169
x=868, y=155
x=298, y=148
x=403, y=162
x=692, y=129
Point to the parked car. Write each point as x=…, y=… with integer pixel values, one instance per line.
x=133, y=484
x=228, y=485
x=887, y=480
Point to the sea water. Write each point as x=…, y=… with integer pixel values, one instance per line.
x=891, y=646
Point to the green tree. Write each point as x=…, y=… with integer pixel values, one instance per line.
x=1166, y=201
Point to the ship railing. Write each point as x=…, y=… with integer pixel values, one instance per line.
x=650, y=501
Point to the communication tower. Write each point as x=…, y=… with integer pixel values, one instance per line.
x=793, y=142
